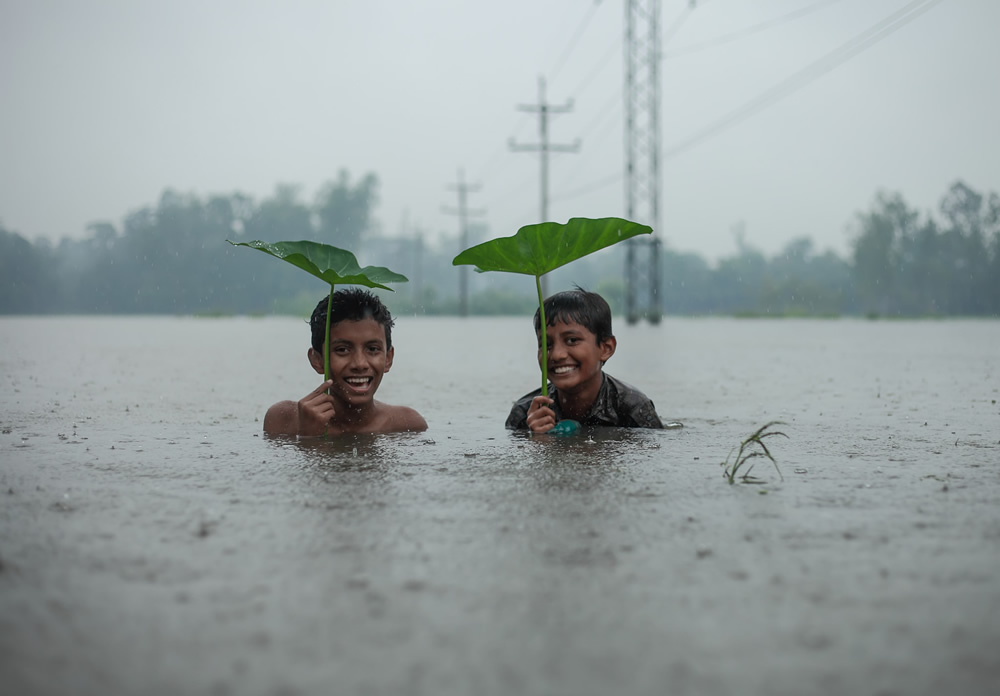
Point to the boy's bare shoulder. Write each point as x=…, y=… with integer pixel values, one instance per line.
x=282, y=419
x=402, y=419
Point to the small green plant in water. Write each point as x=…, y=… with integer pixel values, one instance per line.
x=753, y=446
x=330, y=264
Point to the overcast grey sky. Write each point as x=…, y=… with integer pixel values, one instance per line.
x=107, y=103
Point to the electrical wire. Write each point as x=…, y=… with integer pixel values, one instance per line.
x=672, y=29
x=749, y=31
x=561, y=61
x=607, y=123
x=795, y=82
x=807, y=75
x=495, y=157
x=591, y=187
x=601, y=64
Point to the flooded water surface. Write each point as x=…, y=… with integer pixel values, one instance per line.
x=153, y=541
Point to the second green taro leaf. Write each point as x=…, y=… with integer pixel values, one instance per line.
x=537, y=249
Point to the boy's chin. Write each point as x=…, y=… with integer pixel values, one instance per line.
x=564, y=385
x=356, y=403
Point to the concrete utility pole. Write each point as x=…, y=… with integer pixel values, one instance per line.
x=463, y=213
x=642, y=153
x=543, y=109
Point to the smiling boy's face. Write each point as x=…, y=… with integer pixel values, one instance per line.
x=575, y=357
x=358, y=359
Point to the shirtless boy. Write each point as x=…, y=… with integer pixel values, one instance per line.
x=360, y=353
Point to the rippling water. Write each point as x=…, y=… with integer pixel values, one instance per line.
x=151, y=540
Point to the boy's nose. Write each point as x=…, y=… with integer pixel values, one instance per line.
x=357, y=360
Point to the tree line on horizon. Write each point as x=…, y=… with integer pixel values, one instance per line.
x=172, y=258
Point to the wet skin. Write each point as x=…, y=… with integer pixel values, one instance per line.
x=358, y=359
x=346, y=402
x=575, y=362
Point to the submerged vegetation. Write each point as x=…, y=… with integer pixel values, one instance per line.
x=753, y=446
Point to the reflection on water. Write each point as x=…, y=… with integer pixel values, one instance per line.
x=144, y=506
x=355, y=452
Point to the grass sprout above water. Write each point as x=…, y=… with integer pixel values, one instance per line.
x=753, y=446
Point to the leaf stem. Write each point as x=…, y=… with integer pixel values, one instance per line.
x=326, y=338
x=543, y=338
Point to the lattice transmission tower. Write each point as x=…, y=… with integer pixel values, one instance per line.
x=642, y=158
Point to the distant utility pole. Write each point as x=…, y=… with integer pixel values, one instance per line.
x=463, y=213
x=543, y=109
x=418, y=270
x=415, y=242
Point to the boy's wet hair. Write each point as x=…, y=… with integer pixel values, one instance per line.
x=354, y=304
x=581, y=306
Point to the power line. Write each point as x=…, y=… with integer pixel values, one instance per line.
x=681, y=18
x=556, y=68
x=812, y=72
x=809, y=74
x=591, y=187
x=603, y=121
x=599, y=66
x=573, y=40
x=544, y=147
x=602, y=114
x=749, y=31
x=502, y=149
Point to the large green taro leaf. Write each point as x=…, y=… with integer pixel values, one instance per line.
x=335, y=266
x=537, y=249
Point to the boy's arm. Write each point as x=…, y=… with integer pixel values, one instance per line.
x=536, y=416
x=541, y=418
x=516, y=418
x=532, y=412
x=644, y=416
x=308, y=417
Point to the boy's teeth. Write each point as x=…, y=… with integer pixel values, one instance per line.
x=561, y=370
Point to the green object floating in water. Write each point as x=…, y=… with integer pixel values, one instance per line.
x=565, y=427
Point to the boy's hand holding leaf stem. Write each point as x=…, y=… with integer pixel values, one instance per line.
x=316, y=411
x=541, y=418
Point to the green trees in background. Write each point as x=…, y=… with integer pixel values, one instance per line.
x=343, y=212
x=25, y=272
x=906, y=266
x=171, y=257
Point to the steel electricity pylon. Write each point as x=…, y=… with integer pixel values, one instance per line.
x=642, y=158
